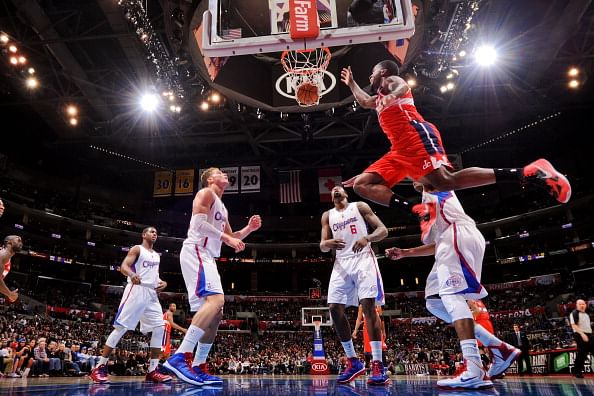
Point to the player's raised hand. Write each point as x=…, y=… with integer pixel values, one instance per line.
x=394, y=253
x=346, y=76
x=254, y=223
x=234, y=243
x=13, y=295
x=350, y=182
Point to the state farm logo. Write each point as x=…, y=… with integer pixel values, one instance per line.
x=319, y=366
x=285, y=84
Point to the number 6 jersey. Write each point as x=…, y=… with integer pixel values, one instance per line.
x=348, y=225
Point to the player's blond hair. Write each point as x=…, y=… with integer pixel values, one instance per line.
x=206, y=174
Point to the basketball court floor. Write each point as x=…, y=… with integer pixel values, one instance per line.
x=294, y=385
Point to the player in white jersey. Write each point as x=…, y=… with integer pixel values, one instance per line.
x=452, y=237
x=139, y=303
x=355, y=278
x=209, y=228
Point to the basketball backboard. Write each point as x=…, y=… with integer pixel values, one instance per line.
x=311, y=315
x=243, y=27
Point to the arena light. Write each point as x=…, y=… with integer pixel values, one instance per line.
x=573, y=72
x=14, y=60
x=149, y=102
x=411, y=82
x=450, y=86
x=71, y=110
x=22, y=60
x=204, y=106
x=31, y=70
x=32, y=83
x=573, y=84
x=4, y=38
x=485, y=55
x=462, y=54
x=73, y=121
x=13, y=49
x=443, y=89
x=215, y=97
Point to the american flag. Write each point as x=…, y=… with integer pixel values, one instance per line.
x=231, y=34
x=290, y=191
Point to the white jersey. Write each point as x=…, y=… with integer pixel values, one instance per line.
x=448, y=210
x=348, y=225
x=217, y=216
x=147, y=267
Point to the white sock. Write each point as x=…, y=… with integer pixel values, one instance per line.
x=192, y=337
x=471, y=353
x=201, y=354
x=349, y=348
x=153, y=363
x=488, y=339
x=103, y=360
x=376, y=350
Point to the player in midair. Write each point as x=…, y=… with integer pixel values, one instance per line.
x=12, y=245
x=355, y=278
x=140, y=302
x=417, y=151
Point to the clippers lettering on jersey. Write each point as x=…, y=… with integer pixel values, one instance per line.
x=342, y=225
x=219, y=216
x=150, y=264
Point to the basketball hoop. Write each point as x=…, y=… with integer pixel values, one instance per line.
x=306, y=70
x=317, y=324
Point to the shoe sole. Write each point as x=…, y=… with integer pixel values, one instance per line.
x=158, y=382
x=352, y=377
x=486, y=385
x=376, y=383
x=179, y=375
x=512, y=358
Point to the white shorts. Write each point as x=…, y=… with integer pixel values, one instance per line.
x=458, y=263
x=355, y=278
x=139, y=303
x=200, y=274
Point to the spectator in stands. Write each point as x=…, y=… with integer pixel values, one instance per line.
x=41, y=365
x=582, y=332
x=519, y=339
x=6, y=358
x=55, y=364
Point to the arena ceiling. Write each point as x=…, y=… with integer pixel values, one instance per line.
x=88, y=52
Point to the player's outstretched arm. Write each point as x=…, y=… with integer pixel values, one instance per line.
x=129, y=260
x=327, y=243
x=11, y=295
x=419, y=251
x=363, y=98
x=254, y=223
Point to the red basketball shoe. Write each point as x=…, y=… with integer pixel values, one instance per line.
x=542, y=172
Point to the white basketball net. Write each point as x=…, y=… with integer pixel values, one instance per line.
x=306, y=66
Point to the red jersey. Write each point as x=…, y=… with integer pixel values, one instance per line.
x=483, y=314
x=166, y=348
x=6, y=269
x=402, y=123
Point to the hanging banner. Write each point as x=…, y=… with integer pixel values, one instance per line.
x=250, y=179
x=233, y=176
x=184, y=182
x=163, y=184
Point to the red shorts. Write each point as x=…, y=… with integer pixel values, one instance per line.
x=487, y=325
x=420, y=152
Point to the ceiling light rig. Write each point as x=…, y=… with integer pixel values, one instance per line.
x=164, y=67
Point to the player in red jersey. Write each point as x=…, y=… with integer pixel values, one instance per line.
x=12, y=245
x=170, y=324
x=366, y=339
x=481, y=315
x=417, y=150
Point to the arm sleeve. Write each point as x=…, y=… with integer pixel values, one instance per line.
x=203, y=227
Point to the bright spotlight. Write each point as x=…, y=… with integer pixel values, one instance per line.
x=14, y=60
x=215, y=97
x=12, y=49
x=71, y=110
x=204, y=106
x=485, y=55
x=22, y=59
x=574, y=84
x=462, y=54
x=4, y=38
x=73, y=121
x=573, y=72
x=172, y=108
x=149, y=102
x=450, y=86
x=443, y=89
x=177, y=109
x=411, y=82
x=32, y=83
x=31, y=70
